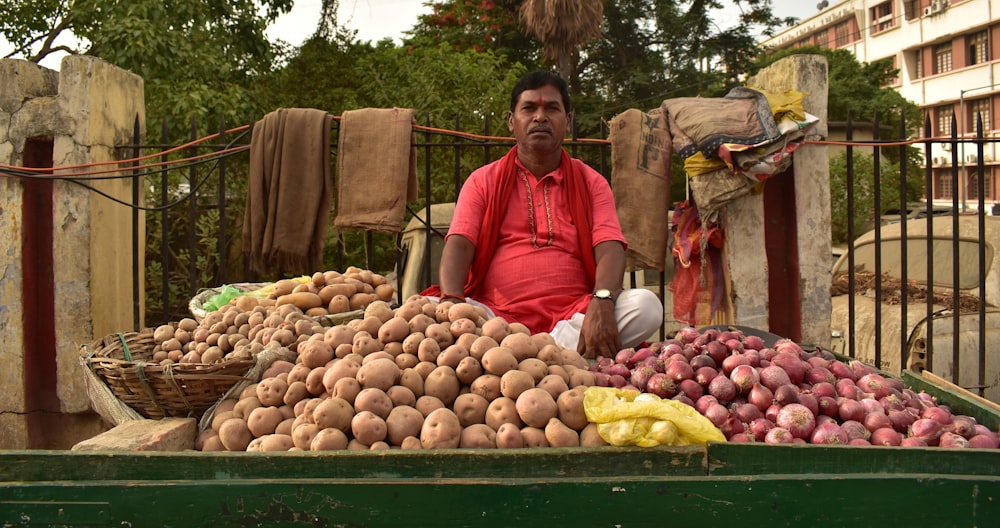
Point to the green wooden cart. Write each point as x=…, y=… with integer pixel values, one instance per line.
x=723, y=484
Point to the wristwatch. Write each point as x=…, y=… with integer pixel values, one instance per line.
x=603, y=294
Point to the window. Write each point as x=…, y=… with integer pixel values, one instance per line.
x=942, y=187
x=843, y=31
x=911, y=9
x=918, y=68
x=973, y=188
x=979, y=107
x=881, y=16
x=945, y=115
x=942, y=58
x=978, y=48
x=823, y=38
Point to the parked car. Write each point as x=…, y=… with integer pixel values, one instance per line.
x=941, y=359
x=914, y=210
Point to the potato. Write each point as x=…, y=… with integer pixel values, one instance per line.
x=296, y=392
x=468, y=369
x=581, y=378
x=536, y=407
x=380, y=309
x=285, y=426
x=314, y=353
x=550, y=354
x=271, y=391
x=571, y=413
x=365, y=343
x=329, y=440
x=496, y=328
x=590, y=437
x=558, y=434
x=303, y=300
x=487, y=386
x=373, y=400
x=443, y=384
x=470, y=409
x=339, y=304
x=478, y=436
x=534, y=437
x=405, y=361
x=410, y=442
x=534, y=366
x=315, y=381
x=403, y=421
x=341, y=368
x=419, y=323
x=333, y=412
x=560, y=371
x=235, y=435
x=411, y=379
x=220, y=417
x=346, y=389
x=212, y=443
x=380, y=374
x=401, y=395
x=514, y=382
x=573, y=358
x=462, y=310
x=509, y=437
x=339, y=335
x=554, y=385
x=411, y=343
x=441, y=430
x=380, y=446
x=244, y=406
x=520, y=345
x=502, y=410
x=424, y=368
x=276, y=442
x=499, y=360
x=284, y=286
x=205, y=436
x=368, y=428
x=481, y=345
x=452, y=356
x=428, y=404
x=428, y=350
x=460, y=327
x=395, y=329
x=440, y=332
x=263, y=420
x=163, y=333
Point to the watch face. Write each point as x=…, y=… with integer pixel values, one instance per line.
x=602, y=294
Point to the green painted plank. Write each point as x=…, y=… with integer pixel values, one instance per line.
x=758, y=459
x=453, y=463
x=813, y=500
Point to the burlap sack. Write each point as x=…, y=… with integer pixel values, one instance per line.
x=640, y=180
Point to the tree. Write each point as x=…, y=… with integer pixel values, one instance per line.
x=563, y=26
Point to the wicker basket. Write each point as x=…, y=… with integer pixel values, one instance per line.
x=156, y=391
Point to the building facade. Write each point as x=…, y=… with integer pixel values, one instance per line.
x=946, y=52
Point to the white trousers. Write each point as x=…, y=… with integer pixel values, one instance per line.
x=639, y=313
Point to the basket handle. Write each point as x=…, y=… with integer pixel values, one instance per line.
x=125, y=350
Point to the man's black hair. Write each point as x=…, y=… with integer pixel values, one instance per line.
x=537, y=79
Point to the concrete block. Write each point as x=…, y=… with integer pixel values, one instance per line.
x=168, y=434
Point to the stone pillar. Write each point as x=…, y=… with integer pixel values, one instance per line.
x=86, y=110
x=810, y=168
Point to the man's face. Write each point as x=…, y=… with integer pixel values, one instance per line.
x=539, y=121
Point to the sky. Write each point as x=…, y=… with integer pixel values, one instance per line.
x=378, y=19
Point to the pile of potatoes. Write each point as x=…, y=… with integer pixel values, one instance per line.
x=293, y=311
x=424, y=375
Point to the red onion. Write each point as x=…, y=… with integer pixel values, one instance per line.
x=829, y=433
x=787, y=345
x=701, y=404
x=810, y=401
x=984, y=441
x=640, y=377
x=661, y=385
x=717, y=414
x=859, y=442
x=747, y=412
x=855, y=429
x=847, y=389
x=760, y=396
x=818, y=375
x=687, y=334
x=744, y=377
x=892, y=402
x=741, y=438
x=828, y=406
x=601, y=379
x=726, y=335
x=982, y=429
x=624, y=356
x=702, y=360
x=939, y=414
x=653, y=362
x=824, y=389
x=817, y=361
x=952, y=440
x=877, y=420
x=913, y=441
x=722, y=388
x=886, y=436
x=705, y=375
x=771, y=413
x=679, y=370
x=734, y=345
x=683, y=398
x=874, y=384
x=773, y=376
x=753, y=358
x=617, y=381
x=901, y=420
x=717, y=351
x=767, y=354
x=691, y=389
x=851, y=410
x=619, y=369
x=733, y=361
x=798, y=419
x=786, y=394
x=927, y=429
x=964, y=426
x=760, y=427
x=822, y=418
x=792, y=364
x=753, y=342
x=732, y=426
x=861, y=369
x=840, y=370
x=778, y=435
x=871, y=405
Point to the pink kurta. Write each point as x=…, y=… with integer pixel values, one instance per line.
x=536, y=277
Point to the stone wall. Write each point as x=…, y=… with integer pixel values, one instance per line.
x=86, y=109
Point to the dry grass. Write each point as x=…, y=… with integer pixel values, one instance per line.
x=892, y=291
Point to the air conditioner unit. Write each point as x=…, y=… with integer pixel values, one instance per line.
x=928, y=11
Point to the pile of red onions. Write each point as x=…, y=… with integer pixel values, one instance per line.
x=785, y=394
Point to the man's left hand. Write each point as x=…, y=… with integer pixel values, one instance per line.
x=599, y=334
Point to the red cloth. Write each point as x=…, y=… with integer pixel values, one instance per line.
x=536, y=286
x=698, y=284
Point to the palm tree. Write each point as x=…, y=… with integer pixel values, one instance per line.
x=562, y=26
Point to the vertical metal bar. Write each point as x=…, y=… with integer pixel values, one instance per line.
x=192, y=216
x=981, y=193
x=164, y=222
x=851, y=278
x=929, y=185
x=428, y=232
x=136, y=189
x=955, y=320
x=458, y=156
x=877, y=212
x=222, y=244
x=904, y=333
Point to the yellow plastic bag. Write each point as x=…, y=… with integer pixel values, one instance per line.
x=628, y=417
